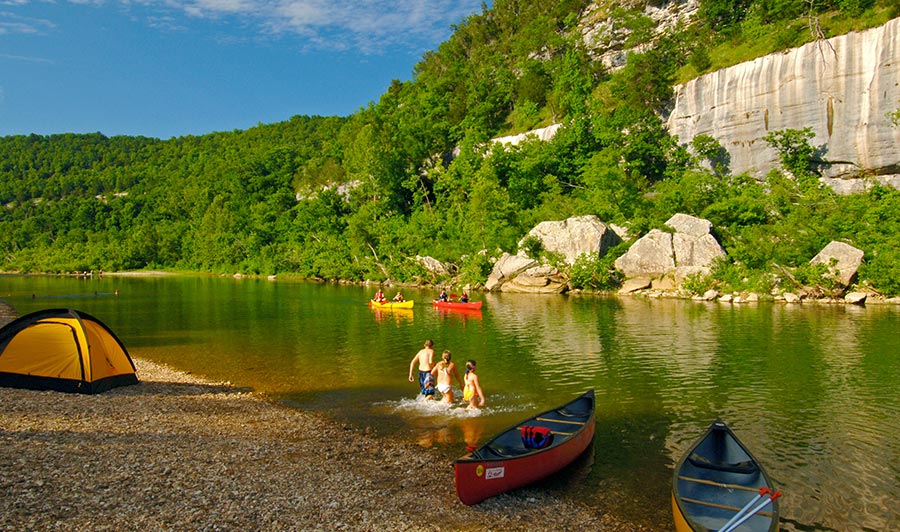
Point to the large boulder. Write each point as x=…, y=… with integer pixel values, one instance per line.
x=573, y=237
x=690, y=250
x=689, y=225
x=537, y=280
x=652, y=255
x=843, y=261
x=507, y=267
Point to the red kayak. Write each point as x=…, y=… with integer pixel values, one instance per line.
x=470, y=305
x=529, y=451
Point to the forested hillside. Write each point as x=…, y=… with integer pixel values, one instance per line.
x=359, y=197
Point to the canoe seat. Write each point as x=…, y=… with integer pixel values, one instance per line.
x=573, y=413
x=746, y=467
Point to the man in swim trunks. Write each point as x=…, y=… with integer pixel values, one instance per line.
x=425, y=360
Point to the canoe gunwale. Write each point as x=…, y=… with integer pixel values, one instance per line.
x=719, y=471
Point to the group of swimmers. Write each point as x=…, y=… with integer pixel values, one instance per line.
x=440, y=376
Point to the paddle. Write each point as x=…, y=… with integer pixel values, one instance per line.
x=751, y=513
x=762, y=493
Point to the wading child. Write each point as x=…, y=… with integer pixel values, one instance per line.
x=472, y=392
x=444, y=371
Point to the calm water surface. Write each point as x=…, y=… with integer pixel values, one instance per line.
x=811, y=389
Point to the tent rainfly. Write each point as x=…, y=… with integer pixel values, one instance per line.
x=65, y=350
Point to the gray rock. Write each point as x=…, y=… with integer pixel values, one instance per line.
x=856, y=298
x=651, y=256
x=573, y=237
x=847, y=261
x=507, y=267
x=433, y=265
x=690, y=225
x=633, y=285
x=537, y=280
x=690, y=251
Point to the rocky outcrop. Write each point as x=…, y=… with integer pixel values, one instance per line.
x=434, y=266
x=843, y=261
x=570, y=238
x=843, y=89
x=506, y=268
x=573, y=237
x=606, y=38
x=537, y=280
x=690, y=250
x=544, y=133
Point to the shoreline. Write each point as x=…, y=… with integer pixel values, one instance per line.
x=179, y=452
x=852, y=298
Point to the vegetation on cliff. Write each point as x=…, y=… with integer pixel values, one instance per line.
x=357, y=197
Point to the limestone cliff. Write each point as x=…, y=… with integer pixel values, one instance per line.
x=843, y=88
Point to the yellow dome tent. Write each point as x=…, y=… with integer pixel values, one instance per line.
x=65, y=350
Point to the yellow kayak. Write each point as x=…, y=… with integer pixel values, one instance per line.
x=391, y=304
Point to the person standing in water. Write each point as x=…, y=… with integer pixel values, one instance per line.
x=425, y=360
x=472, y=393
x=444, y=371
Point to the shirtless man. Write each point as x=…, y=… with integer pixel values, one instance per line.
x=425, y=359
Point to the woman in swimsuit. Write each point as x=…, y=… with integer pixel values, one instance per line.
x=444, y=371
x=472, y=392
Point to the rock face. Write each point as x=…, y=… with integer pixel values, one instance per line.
x=690, y=250
x=574, y=237
x=843, y=88
x=847, y=260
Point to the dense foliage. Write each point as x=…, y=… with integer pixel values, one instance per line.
x=359, y=197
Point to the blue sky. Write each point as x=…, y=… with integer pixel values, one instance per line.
x=169, y=68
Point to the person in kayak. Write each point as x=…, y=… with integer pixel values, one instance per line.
x=425, y=361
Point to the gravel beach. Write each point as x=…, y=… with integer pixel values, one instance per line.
x=177, y=452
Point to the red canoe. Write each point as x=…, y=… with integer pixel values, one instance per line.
x=471, y=305
x=515, y=457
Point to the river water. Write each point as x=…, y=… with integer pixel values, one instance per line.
x=811, y=389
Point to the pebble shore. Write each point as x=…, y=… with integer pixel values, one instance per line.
x=179, y=453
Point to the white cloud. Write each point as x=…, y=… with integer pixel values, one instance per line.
x=12, y=24
x=366, y=25
x=25, y=58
